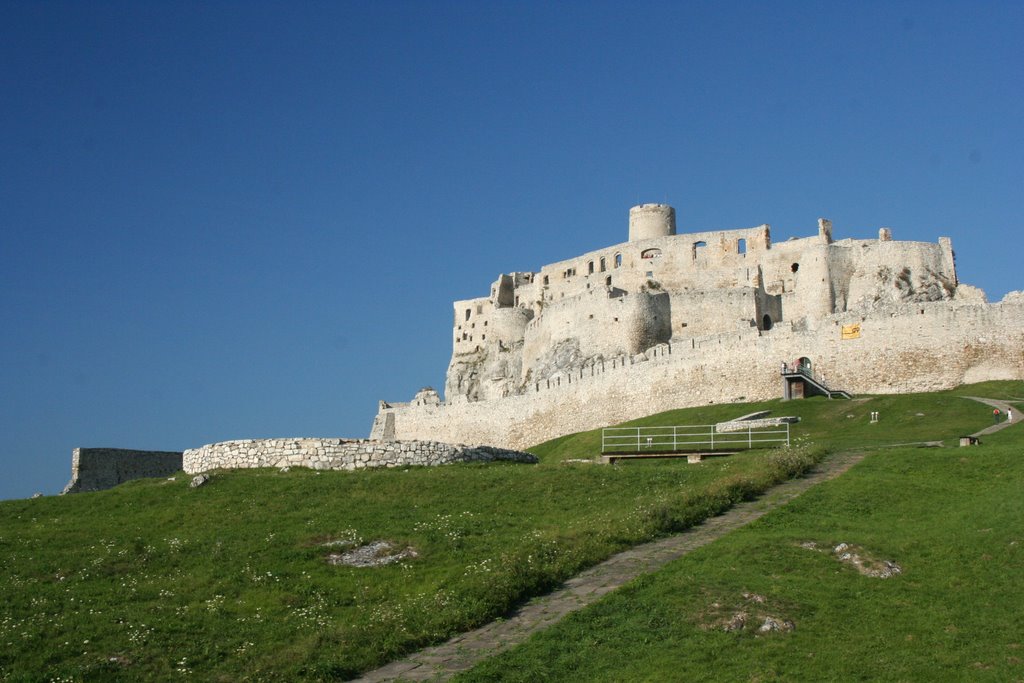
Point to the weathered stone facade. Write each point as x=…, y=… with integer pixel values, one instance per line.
x=339, y=454
x=96, y=469
x=667, y=321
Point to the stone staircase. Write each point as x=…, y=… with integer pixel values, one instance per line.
x=801, y=382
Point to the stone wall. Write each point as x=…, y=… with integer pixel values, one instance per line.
x=911, y=347
x=667, y=287
x=96, y=469
x=339, y=454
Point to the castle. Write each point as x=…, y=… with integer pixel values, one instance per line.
x=669, y=320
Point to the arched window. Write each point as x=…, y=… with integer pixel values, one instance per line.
x=602, y=265
x=650, y=253
x=618, y=260
x=741, y=246
x=766, y=322
x=545, y=280
x=608, y=281
x=590, y=268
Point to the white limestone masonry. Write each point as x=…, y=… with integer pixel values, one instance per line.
x=339, y=454
x=670, y=320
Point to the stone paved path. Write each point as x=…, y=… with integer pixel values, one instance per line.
x=463, y=651
x=1004, y=408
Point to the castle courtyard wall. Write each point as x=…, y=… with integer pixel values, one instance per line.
x=905, y=348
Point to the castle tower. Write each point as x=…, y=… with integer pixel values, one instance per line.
x=651, y=220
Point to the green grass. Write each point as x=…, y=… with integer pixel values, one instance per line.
x=833, y=424
x=153, y=580
x=228, y=581
x=950, y=517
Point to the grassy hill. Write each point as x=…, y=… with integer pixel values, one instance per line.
x=154, y=580
x=950, y=519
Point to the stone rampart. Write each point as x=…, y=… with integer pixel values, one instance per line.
x=912, y=347
x=96, y=469
x=339, y=454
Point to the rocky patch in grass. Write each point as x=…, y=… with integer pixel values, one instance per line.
x=860, y=559
x=373, y=554
x=750, y=615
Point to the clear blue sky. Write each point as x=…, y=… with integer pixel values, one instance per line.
x=223, y=220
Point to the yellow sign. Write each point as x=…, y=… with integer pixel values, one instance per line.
x=851, y=331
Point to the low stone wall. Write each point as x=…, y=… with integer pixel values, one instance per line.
x=339, y=454
x=96, y=469
x=742, y=425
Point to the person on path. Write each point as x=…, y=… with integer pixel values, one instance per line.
x=1009, y=414
x=995, y=415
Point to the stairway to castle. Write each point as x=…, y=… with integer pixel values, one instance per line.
x=799, y=381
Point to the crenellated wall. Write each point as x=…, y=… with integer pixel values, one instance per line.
x=902, y=348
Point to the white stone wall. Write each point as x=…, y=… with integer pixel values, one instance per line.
x=903, y=348
x=339, y=454
x=670, y=320
x=602, y=303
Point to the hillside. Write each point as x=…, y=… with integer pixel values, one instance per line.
x=154, y=579
x=906, y=568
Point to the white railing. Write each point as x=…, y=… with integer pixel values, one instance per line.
x=688, y=437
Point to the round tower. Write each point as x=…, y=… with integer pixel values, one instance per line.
x=651, y=220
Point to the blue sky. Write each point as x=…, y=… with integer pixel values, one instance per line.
x=246, y=219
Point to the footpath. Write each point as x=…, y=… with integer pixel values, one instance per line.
x=1004, y=410
x=462, y=652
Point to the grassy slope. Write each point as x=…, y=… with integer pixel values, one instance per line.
x=151, y=579
x=834, y=424
x=950, y=517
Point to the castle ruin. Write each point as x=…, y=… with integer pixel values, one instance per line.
x=669, y=320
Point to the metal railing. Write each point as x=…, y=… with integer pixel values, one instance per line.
x=689, y=437
x=815, y=377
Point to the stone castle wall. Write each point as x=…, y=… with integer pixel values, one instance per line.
x=338, y=454
x=96, y=469
x=668, y=320
x=902, y=348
